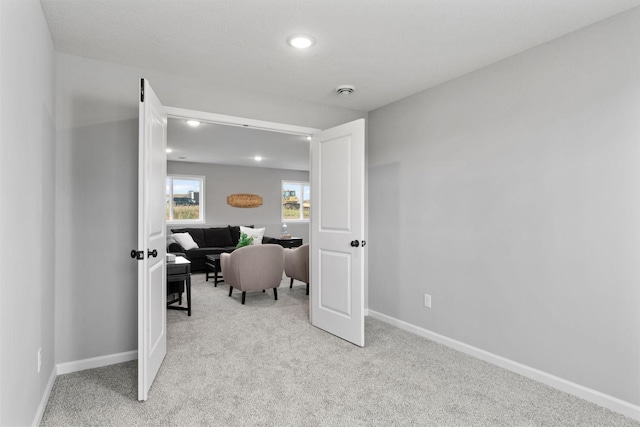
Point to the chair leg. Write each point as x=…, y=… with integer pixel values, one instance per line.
x=275, y=293
x=244, y=294
x=291, y=284
x=307, y=289
x=230, y=289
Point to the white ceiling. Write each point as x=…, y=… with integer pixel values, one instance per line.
x=231, y=145
x=387, y=49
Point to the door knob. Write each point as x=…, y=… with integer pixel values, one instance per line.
x=355, y=243
x=153, y=253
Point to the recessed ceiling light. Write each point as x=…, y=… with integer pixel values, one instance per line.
x=169, y=150
x=301, y=41
x=193, y=123
x=309, y=138
x=258, y=158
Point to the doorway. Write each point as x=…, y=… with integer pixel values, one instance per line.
x=337, y=272
x=338, y=257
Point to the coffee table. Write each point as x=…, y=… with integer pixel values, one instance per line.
x=212, y=263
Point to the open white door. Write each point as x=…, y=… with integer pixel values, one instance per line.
x=337, y=230
x=152, y=280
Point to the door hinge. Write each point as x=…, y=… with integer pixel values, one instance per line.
x=141, y=90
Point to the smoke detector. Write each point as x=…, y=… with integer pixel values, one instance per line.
x=345, y=90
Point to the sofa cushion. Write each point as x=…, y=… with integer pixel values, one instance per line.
x=186, y=241
x=198, y=257
x=196, y=233
x=217, y=237
x=202, y=252
x=174, y=248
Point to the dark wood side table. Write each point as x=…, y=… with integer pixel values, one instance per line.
x=179, y=277
x=292, y=242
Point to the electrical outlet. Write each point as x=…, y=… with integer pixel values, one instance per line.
x=427, y=300
x=39, y=358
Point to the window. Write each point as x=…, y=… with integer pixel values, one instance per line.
x=296, y=201
x=183, y=199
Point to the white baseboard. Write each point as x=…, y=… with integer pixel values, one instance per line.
x=617, y=405
x=45, y=398
x=96, y=362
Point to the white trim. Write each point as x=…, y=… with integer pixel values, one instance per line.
x=96, y=362
x=185, y=222
x=45, y=398
x=613, y=403
x=182, y=113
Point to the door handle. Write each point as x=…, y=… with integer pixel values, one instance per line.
x=153, y=253
x=137, y=254
x=364, y=242
x=355, y=243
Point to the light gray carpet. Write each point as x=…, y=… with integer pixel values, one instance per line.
x=264, y=364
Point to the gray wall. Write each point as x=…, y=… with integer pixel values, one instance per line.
x=27, y=136
x=96, y=184
x=512, y=196
x=222, y=181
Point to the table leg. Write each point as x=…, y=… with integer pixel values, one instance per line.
x=188, y=295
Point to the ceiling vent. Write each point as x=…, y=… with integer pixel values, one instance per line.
x=345, y=90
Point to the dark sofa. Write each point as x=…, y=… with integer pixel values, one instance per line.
x=213, y=240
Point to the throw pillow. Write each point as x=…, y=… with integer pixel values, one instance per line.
x=186, y=241
x=170, y=240
x=235, y=233
x=197, y=234
x=256, y=233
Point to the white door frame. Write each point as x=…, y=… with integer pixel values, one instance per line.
x=181, y=113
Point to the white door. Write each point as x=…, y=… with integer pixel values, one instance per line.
x=152, y=281
x=337, y=231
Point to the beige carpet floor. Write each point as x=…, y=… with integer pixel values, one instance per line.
x=263, y=364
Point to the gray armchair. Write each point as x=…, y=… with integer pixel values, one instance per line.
x=253, y=268
x=296, y=264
